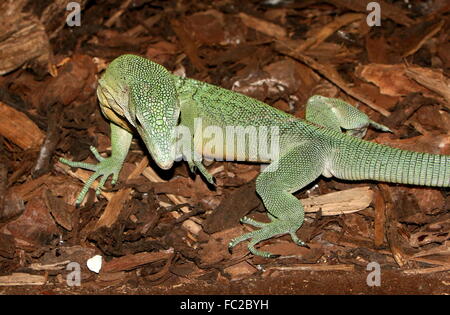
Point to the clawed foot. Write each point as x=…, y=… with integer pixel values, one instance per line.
x=266, y=231
x=105, y=168
x=202, y=169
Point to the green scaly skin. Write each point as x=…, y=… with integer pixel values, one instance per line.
x=138, y=94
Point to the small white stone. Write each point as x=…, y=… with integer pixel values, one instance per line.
x=95, y=263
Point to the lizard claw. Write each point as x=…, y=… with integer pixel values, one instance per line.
x=274, y=255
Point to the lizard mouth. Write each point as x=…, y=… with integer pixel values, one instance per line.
x=165, y=166
x=160, y=153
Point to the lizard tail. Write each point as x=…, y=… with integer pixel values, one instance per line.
x=358, y=159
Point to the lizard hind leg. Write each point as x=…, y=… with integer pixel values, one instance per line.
x=296, y=169
x=335, y=114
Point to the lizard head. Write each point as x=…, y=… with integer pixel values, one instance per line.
x=143, y=94
x=156, y=122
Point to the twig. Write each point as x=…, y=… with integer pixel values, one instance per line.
x=329, y=72
x=48, y=147
x=421, y=271
x=379, y=220
x=119, y=12
x=312, y=267
x=189, y=46
x=265, y=27
x=189, y=224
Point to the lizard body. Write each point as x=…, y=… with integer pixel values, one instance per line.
x=138, y=94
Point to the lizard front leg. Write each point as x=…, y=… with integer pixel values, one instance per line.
x=120, y=143
x=294, y=170
x=185, y=150
x=202, y=169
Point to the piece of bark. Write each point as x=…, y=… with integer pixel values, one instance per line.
x=7, y=246
x=437, y=231
x=27, y=190
x=189, y=46
x=133, y=261
x=432, y=79
x=430, y=200
x=163, y=273
x=406, y=108
x=429, y=143
x=443, y=249
x=13, y=206
x=377, y=49
x=19, y=129
x=25, y=31
x=431, y=119
x=147, y=24
x=391, y=79
x=161, y=52
x=58, y=258
x=60, y=265
x=118, y=200
x=414, y=37
x=180, y=186
x=315, y=267
x=392, y=233
x=241, y=270
x=23, y=39
x=35, y=227
x=60, y=210
x=76, y=81
x=215, y=250
x=265, y=27
x=207, y=27
x=3, y=185
x=189, y=224
x=340, y=202
x=236, y=205
x=22, y=279
x=380, y=220
x=318, y=36
x=421, y=271
x=291, y=77
x=112, y=277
